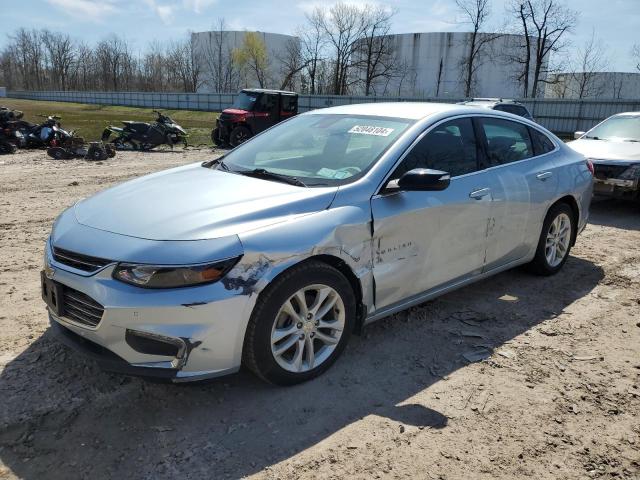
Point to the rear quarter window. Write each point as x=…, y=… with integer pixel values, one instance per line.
x=541, y=143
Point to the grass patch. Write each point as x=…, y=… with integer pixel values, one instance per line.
x=90, y=120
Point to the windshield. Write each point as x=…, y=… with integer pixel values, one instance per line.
x=319, y=149
x=245, y=101
x=620, y=128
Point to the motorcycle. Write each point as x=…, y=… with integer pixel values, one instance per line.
x=145, y=136
x=95, y=151
x=9, y=140
x=46, y=134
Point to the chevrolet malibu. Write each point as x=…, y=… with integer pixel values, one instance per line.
x=274, y=254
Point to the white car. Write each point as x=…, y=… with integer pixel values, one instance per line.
x=614, y=148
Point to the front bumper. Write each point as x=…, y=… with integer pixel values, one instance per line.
x=616, y=187
x=208, y=320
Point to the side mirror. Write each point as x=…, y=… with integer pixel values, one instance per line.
x=577, y=135
x=421, y=180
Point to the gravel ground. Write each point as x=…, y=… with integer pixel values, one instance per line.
x=558, y=398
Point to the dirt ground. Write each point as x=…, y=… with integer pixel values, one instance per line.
x=558, y=398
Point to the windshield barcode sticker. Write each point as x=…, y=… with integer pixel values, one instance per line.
x=367, y=130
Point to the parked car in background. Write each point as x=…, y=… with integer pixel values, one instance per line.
x=254, y=111
x=272, y=255
x=501, y=105
x=614, y=148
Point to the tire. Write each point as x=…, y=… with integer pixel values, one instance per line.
x=239, y=134
x=7, y=148
x=542, y=264
x=57, y=153
x=215, y=138
x=270, y=319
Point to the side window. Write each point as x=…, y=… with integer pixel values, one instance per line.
x=507, y=141
x=450, y=147
x=541, y=143
x=515, y=109
x=289, y=103
x=267, y=103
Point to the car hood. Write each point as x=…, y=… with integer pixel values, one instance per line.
x=197, y=203
x=235, y=111
x=616, y=152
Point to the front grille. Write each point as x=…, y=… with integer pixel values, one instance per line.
x=81, y=308
x=603, y=172
x=78, y=260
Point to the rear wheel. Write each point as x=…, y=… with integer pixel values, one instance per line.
x=7, y=147
x=554, y=244
x=300, y=324
x=239, y=135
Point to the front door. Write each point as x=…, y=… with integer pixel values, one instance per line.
x=266, y=112
x=423, y=240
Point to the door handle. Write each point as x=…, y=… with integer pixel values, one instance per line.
x=478, y=194
x=544, y=175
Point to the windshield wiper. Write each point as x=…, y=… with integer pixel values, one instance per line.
x=632, y=140
x=217, y=162
x=266, y=174
x=593, y=138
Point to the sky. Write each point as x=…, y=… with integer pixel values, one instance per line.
x=615, y=22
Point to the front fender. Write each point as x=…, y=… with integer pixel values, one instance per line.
x=343, y=232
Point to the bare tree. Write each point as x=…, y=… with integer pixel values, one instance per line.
x=311, y=45
x=476, y=13
x=219, y=71
x=635, y=54
x=291, y=64
x=544, y=25
x=182, y=62
x=61, y=55
x=617, y=84
x=592, y=59
x=343, y=25
x=374, y=52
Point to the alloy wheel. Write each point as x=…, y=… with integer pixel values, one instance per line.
x=307, y=328
x=558, y=239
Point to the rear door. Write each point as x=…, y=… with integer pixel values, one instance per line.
x=423, y=240
x=522, y=183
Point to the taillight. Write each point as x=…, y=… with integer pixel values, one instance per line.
x=590, y=167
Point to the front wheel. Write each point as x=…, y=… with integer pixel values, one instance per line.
x=239, y=135
x=554, y=244
x=300, y=324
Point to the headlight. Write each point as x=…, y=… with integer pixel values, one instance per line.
x=172, y=276
x=631, y=173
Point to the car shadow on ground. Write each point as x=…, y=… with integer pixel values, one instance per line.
x=61, y=417
x=615, y=213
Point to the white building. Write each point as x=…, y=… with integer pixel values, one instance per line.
x=617, y=85
x=213, y=53
x=434, y=65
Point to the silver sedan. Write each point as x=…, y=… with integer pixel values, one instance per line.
x=272, y=255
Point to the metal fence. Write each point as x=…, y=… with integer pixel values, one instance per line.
x=560, y=116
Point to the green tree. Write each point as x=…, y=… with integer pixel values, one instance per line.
x=252, y=56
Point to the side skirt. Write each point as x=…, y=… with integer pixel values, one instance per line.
x=438, y=291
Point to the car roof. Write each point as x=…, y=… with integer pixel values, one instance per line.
x=628, y=114
x=408, y=110
x=266, y=90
